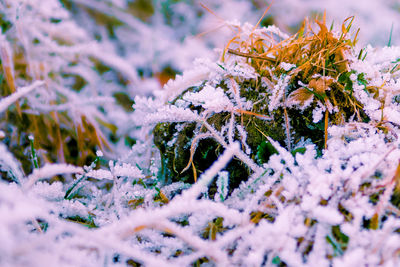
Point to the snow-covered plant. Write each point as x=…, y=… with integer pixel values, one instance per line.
x=267, y=85
x=269, y=94
x=41, y=43
x=284, y=152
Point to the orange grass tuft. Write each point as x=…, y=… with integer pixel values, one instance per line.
x=319, y=59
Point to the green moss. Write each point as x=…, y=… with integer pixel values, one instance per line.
x=174, y=147
x=395, y=199
x=142, y=9
x=124, y=100
x=264, y=151
x=338, y=240
x=5, y=25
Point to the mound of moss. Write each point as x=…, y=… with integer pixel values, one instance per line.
x=302, y=84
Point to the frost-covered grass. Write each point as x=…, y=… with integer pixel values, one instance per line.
x=271, y=150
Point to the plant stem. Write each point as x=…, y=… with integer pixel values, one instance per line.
x=33, y=151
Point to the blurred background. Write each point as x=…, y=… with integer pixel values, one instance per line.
x=169, y=34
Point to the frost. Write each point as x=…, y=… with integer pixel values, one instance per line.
x=318, y=114
x=190, y=78
x=242, y=70
x=212, y=99
x=170, y=114
x=9, y=164
x=126, y=169
x=222, y=186
x=287, y=66
x=353, y=77
x=100, y=174
x=96, y=70
x=278, y=92
x=49, y=171
x=7, y=101
x=327, y=215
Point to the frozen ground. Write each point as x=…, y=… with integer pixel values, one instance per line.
x=84, y=83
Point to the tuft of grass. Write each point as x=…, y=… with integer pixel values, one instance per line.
x=58, y=136
x=320, y=71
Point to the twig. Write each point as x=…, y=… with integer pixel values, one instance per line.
x=9, y=100
x=237, y=53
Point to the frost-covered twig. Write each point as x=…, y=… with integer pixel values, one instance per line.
x=49, y=171
x=9, y=100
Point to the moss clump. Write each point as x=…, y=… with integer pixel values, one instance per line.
x=174, y=146
x=302, y=84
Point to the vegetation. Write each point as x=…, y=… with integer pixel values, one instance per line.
x=118, y=148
